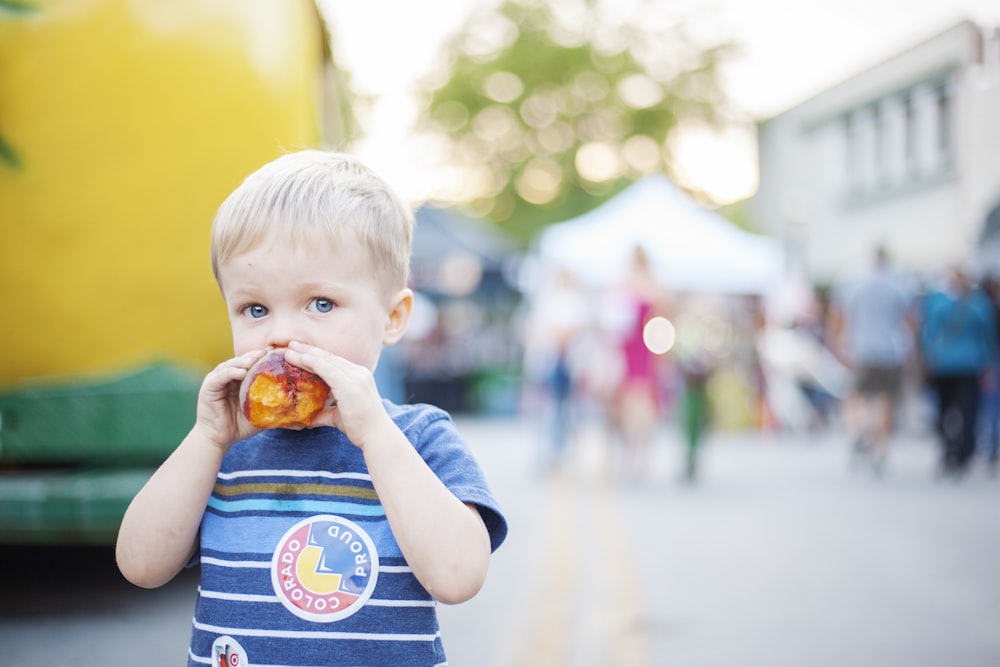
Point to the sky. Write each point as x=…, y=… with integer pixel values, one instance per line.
x=791, y=50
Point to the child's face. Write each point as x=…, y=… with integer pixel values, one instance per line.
x=330, y=298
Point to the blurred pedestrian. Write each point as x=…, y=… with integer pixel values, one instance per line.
x=557, y=317
x=958, y=343
x=637, y=401
x=695, y=409
x=872, y=322
x=989, y=428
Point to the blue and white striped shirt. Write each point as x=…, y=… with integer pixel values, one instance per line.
x=299, y=567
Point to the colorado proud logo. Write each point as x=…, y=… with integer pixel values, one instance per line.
x=324, y=568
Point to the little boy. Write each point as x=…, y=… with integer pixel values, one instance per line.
x=327, y=545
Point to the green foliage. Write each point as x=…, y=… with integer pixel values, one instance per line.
x=738, y=214
x=8, y=156
x=559, y=117
x=14, y=7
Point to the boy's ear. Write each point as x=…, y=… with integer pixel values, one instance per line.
x=399, y=316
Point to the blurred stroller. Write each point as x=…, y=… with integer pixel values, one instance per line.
x=804, y=380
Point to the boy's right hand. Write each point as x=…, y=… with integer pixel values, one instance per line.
x=219, y=417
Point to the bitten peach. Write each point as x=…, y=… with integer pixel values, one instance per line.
x=276, y=394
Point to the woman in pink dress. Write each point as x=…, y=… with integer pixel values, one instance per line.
x=638, y=399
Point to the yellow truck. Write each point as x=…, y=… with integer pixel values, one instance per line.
x=123, y=126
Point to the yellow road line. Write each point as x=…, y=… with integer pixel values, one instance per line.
x=599, y=608
x=626, y=636
x=550, y=625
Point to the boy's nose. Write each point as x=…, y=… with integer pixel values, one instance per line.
x=281, y=333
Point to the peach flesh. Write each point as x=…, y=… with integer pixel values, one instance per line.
x=276, y=394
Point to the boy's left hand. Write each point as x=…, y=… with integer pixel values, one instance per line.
x=357, y=407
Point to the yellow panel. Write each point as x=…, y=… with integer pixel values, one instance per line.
x=128, y=122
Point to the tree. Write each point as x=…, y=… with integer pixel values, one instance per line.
x=550, y=107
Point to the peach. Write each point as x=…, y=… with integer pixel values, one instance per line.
x=275, y=394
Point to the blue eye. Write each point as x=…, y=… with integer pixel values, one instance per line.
x=322, y=305
x=256, y=311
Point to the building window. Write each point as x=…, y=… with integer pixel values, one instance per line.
x=850, y=143
x=943, y=131
x=910, y=155
x=879, y=162
x=857, y=149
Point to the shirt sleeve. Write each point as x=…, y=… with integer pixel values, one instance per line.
x=436, y=437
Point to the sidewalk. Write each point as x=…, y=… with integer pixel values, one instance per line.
x=781, y=554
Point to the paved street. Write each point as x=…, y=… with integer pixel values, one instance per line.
x=782, y=554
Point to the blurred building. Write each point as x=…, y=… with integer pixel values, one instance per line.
x=460, y=352
x=906, y=153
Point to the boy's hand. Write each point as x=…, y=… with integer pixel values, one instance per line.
x=357, y=410
x=220, y=418
x=444, y=541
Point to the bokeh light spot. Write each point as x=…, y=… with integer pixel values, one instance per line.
x=659, y=335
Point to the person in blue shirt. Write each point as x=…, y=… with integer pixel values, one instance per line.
x=328, y=545
x=957, y=346
x=872, y=326
x=989, y=413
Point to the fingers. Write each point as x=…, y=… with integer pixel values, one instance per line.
x=219, y=416
x=313, y=359
x=244, y=361
x=328, y=416
x=346, y=378
x=232, y=370
x=341, y=374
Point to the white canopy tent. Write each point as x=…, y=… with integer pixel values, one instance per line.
x=691, y=247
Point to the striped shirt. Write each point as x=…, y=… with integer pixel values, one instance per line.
x=299, y=567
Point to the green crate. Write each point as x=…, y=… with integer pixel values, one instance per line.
x=75, y=506
x=135, y=418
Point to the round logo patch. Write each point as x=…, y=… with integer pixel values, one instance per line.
x=324, y=568
x=227, y=652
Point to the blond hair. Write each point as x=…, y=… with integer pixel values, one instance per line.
x=314, y=196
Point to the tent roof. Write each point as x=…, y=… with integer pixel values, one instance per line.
x=691, y=247
x=442, y=230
